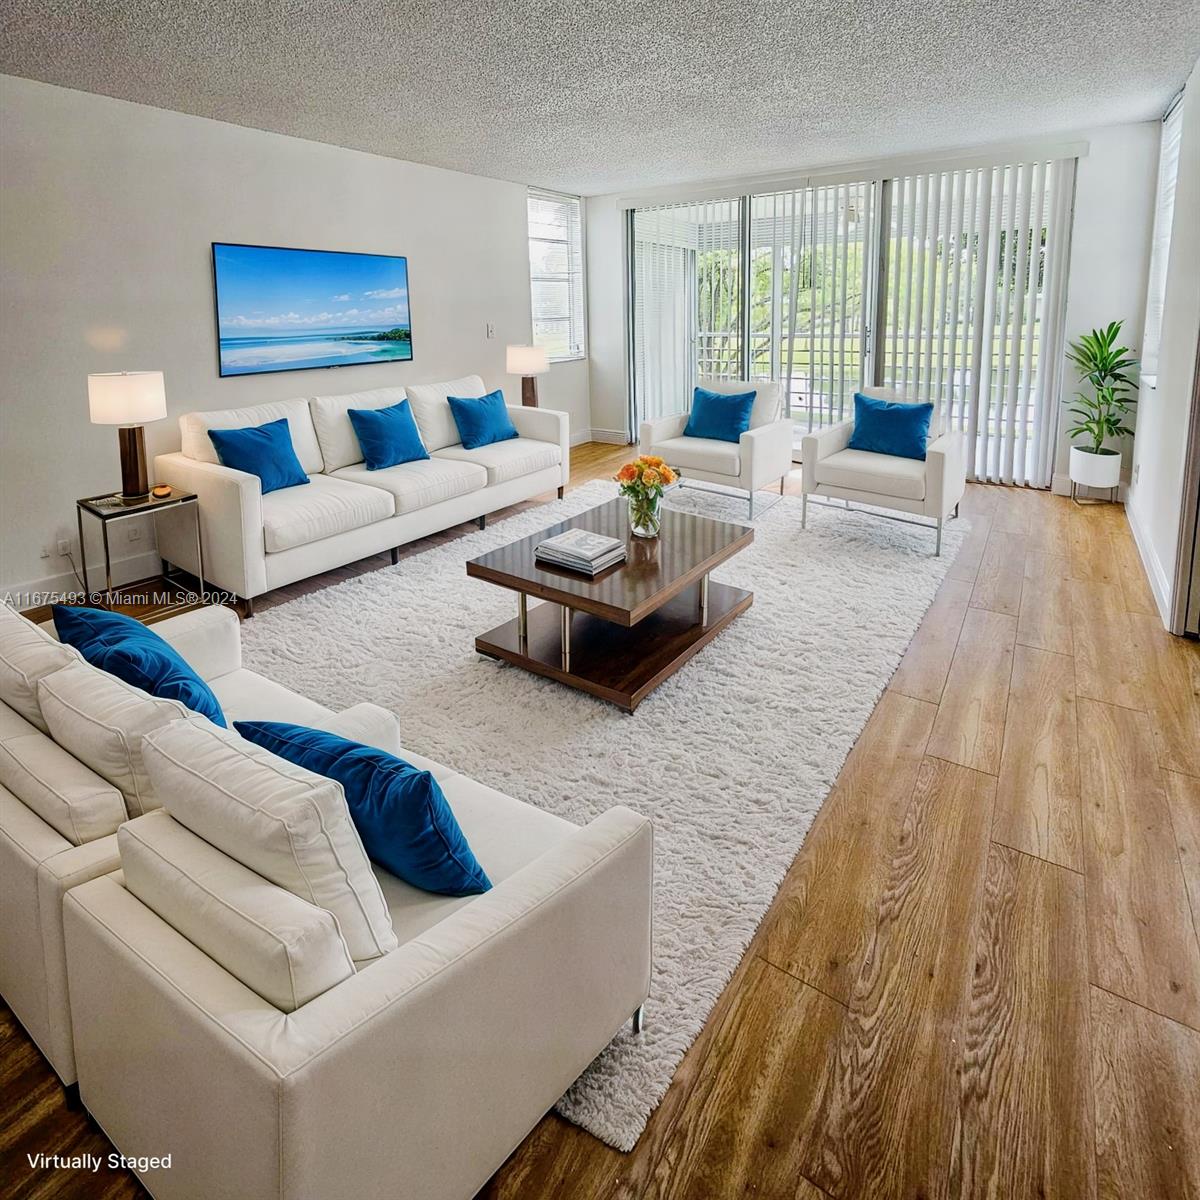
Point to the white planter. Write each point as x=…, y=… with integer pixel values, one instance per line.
x=1095, y=470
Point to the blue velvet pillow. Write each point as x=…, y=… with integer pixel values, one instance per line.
x=387, y=435
x=135, y=653
x=482, y=422
x=262, y=450
x=889, y=427
x=401, y=815
x=716, y=415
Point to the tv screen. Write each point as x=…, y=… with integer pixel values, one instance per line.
x=293, y=310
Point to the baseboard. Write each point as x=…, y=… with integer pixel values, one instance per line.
x=580, y=436
x=616, y=437
x=1160, y=582
x=51, y=588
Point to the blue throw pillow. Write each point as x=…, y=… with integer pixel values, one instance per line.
x=262, y=450
x=400, y=813
x=889, y=427
x=135, y=653
x=482, y=422
x=716, y=415
x=387, y=435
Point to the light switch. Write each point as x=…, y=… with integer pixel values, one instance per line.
x=491, y=330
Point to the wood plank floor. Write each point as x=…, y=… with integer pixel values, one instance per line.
x=981, y=977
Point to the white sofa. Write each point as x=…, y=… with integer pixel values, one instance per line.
x=932, y=488
x=761, y=456
x=253, y=543
x=414, y=1071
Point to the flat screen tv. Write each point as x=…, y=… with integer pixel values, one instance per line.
x=294, y=310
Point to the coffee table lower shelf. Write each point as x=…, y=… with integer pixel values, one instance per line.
x=618, y=663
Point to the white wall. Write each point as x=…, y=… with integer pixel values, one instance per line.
x=1155, y=499
x=1110, y=251
x=1109, y=259
x=108, y=211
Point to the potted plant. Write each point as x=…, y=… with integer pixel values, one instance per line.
x=1105, y=367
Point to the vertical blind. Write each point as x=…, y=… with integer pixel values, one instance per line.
x=973, y=290
x=1160, y=249
x=556, y=273
x=948, y=286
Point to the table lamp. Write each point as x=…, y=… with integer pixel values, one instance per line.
x=129, y=399
x=528, y=361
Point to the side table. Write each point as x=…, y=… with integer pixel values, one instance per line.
x=113, y=507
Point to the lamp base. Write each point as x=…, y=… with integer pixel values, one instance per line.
x=529, y=391
x=135, y=483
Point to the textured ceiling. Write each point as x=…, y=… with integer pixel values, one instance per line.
x=602, y=96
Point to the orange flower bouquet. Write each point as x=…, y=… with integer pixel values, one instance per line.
x=642, y=482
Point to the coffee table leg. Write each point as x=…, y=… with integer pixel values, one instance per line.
x=704, y=600
x=523, y=622
x=566, y=638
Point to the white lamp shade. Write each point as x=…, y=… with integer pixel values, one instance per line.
x=126, y=397
x=527, y=360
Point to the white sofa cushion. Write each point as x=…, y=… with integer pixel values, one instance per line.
x=417, y=485
x=68, y=796
x=701, y=454
x=432, y=410
x=506, y=460
x=287, y=824
x=278, y=945
x=102, y=720
x=27, y=652
x=330, y=414
x=194, y=427
x=247, y=696
x=768, y=396
x=321, y=508
x=504, y=835
x=881, y=474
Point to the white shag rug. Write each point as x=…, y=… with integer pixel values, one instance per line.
x=749, y=736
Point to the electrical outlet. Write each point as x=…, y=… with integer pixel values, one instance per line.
x=135, y=532
x=64, y=547
x=491, y=330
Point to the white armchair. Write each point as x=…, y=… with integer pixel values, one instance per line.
x=932, y=488
x=762, y=456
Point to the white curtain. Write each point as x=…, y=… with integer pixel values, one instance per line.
x=1160, y=249
x=975, y=288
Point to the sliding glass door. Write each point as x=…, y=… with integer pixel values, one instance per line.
x=945, y=286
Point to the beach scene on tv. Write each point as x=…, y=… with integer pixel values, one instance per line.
x=289, y=310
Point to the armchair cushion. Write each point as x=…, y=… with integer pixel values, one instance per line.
x=719, y=416
x=768, y=396
x=889, y=427
x=880, y=474
x=701, y=454
x=328, y=506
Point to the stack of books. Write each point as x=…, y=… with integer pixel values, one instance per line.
x=581, y=550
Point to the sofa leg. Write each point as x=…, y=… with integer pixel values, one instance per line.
x=639, y=1019
x=247, y=608
x=956, y=512
x=803, y=510
x=782, y=483
x=937, y=550
x=561, y=492
x=395, y=552
x=482, y=521
x=71, y=1098
x=751, y=498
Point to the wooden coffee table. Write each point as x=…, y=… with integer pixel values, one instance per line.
x=617, y=636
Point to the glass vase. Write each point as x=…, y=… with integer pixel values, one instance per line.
x=644, y=517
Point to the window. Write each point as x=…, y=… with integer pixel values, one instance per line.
x=1164, y=215
x=556, y=274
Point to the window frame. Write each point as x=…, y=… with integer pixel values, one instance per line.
x=535, y=193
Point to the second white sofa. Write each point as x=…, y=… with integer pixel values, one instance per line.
x=253, y=543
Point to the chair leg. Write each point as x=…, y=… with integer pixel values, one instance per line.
x=956, y=512
x=561, y=490
x=937, y=552
x=782, y=483
x=803, y=510
x=639, y=1019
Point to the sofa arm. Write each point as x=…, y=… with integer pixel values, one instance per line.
x=766, y=453
x=545, y=425
x=819, y=444
x=660, y=429
x=209, y=639
x=231, y=524
x=945, y=473
x=486, y=1018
